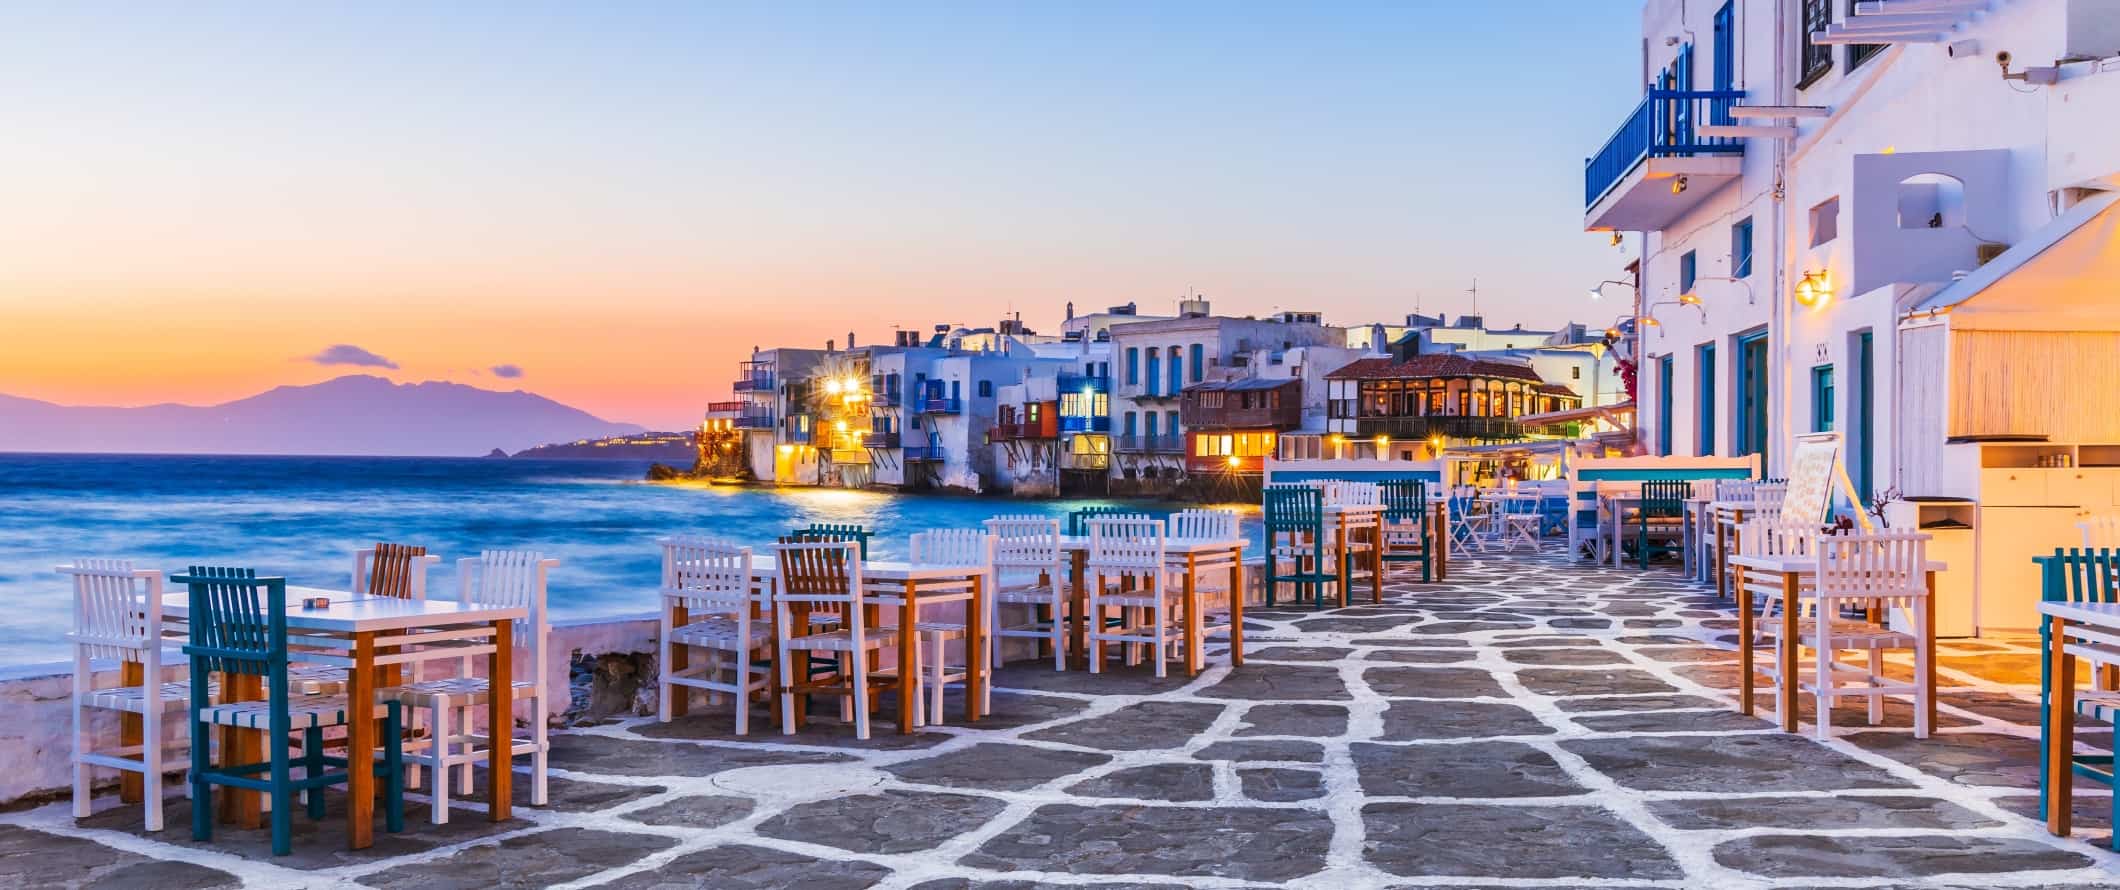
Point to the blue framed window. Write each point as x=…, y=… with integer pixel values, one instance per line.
x=1128, y=428
x=1741, y=249
x=1170, y=422
x=1148, y=428
x=1752, y=371
x=1704, y=364
x=986, y=389
x=1663, y=406
x=1133, y=366
x=1155, y=368
x=1822, y=399
x=1726, y=47
x=1199, y=360
x=1863, y=448
x=1688, y=271
x=1177, y=371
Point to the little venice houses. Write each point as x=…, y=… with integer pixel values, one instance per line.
x=1889, y=220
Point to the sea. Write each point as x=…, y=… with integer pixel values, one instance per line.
x=302, y=518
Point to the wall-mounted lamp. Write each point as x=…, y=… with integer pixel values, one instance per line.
x=1815, y=290
x=1678, y=186
x=1689, y=299
x=1597, y=291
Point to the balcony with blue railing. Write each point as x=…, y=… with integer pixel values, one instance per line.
x=1080, y=424
x=1661, y=161
x=755, y=420
x=762, y=382
x=942, y=405
x=923, y=454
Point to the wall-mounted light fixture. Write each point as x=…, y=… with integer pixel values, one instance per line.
x=1678, y=186
x=1597, y=291
x=1815, y=290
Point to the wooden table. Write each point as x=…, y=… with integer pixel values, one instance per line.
x=1355, y=517
x=345, y=634
x=1729, y=527
x=2073, y=629
x=907, y=587
x=1185, y=552
x=1792, y=570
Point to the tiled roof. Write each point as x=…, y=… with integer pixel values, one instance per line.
x=1253, y=384
x=1555, y=389
x=1442, y=364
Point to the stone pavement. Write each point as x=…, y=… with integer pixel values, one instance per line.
x=1534, y=722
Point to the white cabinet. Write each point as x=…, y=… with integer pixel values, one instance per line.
x=1953, y=527
x=2009, y=580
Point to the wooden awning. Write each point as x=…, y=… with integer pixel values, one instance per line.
x=1610, y=413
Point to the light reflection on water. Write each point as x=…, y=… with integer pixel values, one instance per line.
x=303, y=516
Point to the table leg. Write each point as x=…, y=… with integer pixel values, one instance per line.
x=1078, y=563
x=1339, y=555
x=360, y=744
x=1236, y=607
x=975, y=679
x=1745, y=636
x=2060, y=729
x=1722, y=559
x=1188, y=616
x=680, y=658
x=1789, y=642
x=1376, y=562
x=908, y=659
x=239, y=807
x=1439, y=543
x=131, y=784
x=500, y=725
x=1928, y=641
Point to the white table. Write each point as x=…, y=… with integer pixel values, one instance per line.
x=1792, y=570
x=345, y=634
x=2090, y=631
x=1184, y=553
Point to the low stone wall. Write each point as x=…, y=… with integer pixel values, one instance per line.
x=595, y=668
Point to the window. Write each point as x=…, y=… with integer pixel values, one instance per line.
x=1862, y=445
x=1931, y=201
x=1575, y=373
x=1704, y=365
x=1725, y=55
x=1822, y=399
x=1128, y=427
x=1825, y=221
x=1859, y=53
x=1813, y=61
x=1170, y=419
x=1155, y=367
x=986, y=389
x=1741, y=249
x=1148, y=427
x=1133, y=366
x=1198, y=362
x=1177, y=371
x=1688, y=271
x=1663, y=406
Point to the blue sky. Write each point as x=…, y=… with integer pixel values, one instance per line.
x=763, y=173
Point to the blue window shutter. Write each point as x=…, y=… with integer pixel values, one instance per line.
x=1198, y=355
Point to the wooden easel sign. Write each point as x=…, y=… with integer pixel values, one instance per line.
x=1815, y=472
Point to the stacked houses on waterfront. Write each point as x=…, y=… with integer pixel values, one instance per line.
x=1117, y=402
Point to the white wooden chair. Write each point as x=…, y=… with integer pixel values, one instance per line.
x=710, y=579
x=824, y=575
x=1123, y=549
x=971, y=548
x=1520, y=519
x=1211, y=588
x=1029, y=570
x=496, y=577
x=118, y=617
x=2100, y=531
x=1874, y=574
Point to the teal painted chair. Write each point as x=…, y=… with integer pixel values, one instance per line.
x=2079, y=576
x=238, y=626
x=1295, y=533
x=1407, y=520
x=1078, y=520
x=1658, y=526
x=833, y=533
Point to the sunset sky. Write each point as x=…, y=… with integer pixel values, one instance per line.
x=620, y=200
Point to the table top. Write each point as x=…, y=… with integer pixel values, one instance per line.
x=2087, y=613
x=886, y=570
x=1175, y=546
x=355, y=613
x=1800, y=565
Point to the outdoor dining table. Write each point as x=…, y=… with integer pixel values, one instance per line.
x=1180, y=551
x=909, y=587
x=2073, y=629
x=1729, y=526
x=373, y=637
x=1792, y=570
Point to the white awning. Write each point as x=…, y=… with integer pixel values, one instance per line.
x=2064, y=277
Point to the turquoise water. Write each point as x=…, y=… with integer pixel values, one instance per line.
x=302, y=517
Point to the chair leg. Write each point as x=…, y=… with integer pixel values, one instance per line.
x=541, y=745
x=468, y=764
x=1160, y=615
x=1826, y=685
x=439, y=752
x=846, y=703
x=1876, y=672
x=860, y=698
x=282, y=801
x=1059, y=632
x=312, y=767
x=662, y=663
x=201, y=793
x=151, y=758
x=394, y=768
x=935, y=682
x=81, y=772
x=785, y=658
x=743, y=694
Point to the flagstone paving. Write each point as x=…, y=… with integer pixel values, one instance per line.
x=1533, y=722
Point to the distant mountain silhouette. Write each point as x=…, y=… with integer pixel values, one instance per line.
x=356, y=414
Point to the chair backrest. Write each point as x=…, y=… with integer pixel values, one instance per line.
x=1293, y=508
x=2100, y=531
x=1024, y=541
x=1405, y=500
x=1348, y=492
x=2080, y=576
x=1135, y=544
x=117, y=609
x=835, y=532
x=1769, y=495
x=512, y=578
x=398, y=570
x=1078, y=520
x=1734, y=489
x=1770, y=537
x=238, y=624
x=817, y=572
x=712, y=575
x=1204, y=525
x=1665, y=498
x=953, y=547
x=1886, y=568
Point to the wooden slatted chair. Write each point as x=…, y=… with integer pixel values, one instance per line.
x=1659, y=521
x=710, y=580
x=1078, y=520
x=495, y=578
x=398, y=570
x=1872, y=575
x=825, y=575
x=118, y=617
x=1030, y=570
x=835, y=531
x=1407, y=518
x=971, y=548
x=238, y=626
x=1131, y=551
x=2080, y=576
x=1294, y=517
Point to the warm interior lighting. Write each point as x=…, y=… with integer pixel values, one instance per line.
x=1235, y=461
x=831, y=386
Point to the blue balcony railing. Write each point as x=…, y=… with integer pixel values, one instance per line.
x=1164, y=444
x=942, y=406
x=1084, y=383
x=754, y=383
x=1075, y=424
x=1665, y=125
x=752, y=420
x=923, y=453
